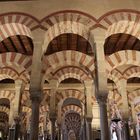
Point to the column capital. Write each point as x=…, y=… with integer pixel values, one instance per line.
x=18, y=82
x=17, y=119
x=35, y=95
x=54, y=83
x=88, y=83
x=102, y=99
x=88, y=118
x=53, y=116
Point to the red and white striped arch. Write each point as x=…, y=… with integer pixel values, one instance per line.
x=16, y=61
x=4, y=109
x=68, y=58
x=68, y=27
x=46, y=98
x=68, y=15
x=132, y=72
x=116, y=97
x=43, y=109
x=7, y=94
x=71, y=108
x=133, y=95
x=21, y=18
x=120, y=58
x=12, y=29
x=137, y=108
x=68, y=22
x=126, y=27
x=8, y=73
x=25, y=76
x=71, y=72
x=134, y=98
x=114, y=75
x=121, y=21
x=70, y=93
x=41, y=120
x=25, y=97
x=26, y=109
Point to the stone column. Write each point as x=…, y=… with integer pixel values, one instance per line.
x=89, y=129
x=59, y=131
x=53, y=127
x=11, y=117
x=17, y=127
x=36, y=85
x=53, y=86
x=88, y=108
x=101, y=81
x=134, y=119
x=35, y=101
x=103, y=118
x=125, y=108
x=126, y=133
x=15, y=108
x=138, y=127
x=19, y=87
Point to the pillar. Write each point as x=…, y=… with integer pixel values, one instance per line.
x=138, y=126
x=19, y=87
x=89, y=129
x=59, y=131
x=11, y=118
x=36, y=85
x=46, y=125
x=89, y=91
x=134, y=120
x=103, y=118
x=53, y=128
x=17, y=127
x=53, y=86
x=125, y=108
x=101, y=81
x=15, y=108
x=35, y=102
x=28, y=123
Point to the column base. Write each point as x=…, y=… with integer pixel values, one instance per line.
x=126, y=132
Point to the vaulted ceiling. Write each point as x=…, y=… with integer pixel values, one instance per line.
x=118, y=42
x=69, y=42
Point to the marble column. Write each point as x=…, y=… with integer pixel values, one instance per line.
x=17, y=127
x=135, y=131
x=35, y=101
x=89, y=91
x=53, y=127
x=134, y=120
x=138, y=130
x=11, y=115
x=101, y=81
x=125, y=130
x=59, y=132
x=15, y=108
x=19, y=87
x=89, y=129
x=103, y=118
x=124, y=108
x=53, y=86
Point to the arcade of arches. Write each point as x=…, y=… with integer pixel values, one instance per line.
x=70, y=70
